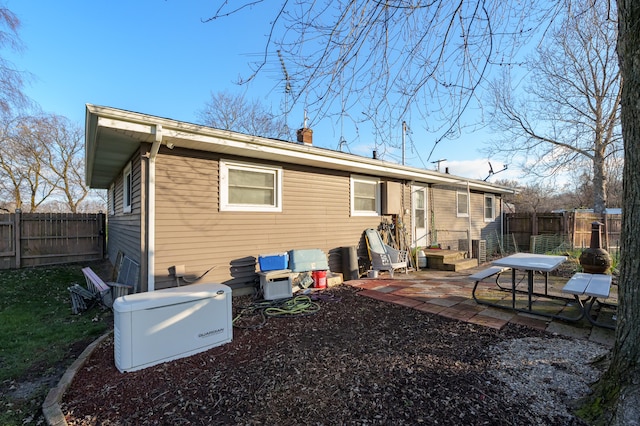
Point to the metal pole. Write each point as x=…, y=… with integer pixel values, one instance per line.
x=404, y=131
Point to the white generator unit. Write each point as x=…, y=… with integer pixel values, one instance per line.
x=163, y=325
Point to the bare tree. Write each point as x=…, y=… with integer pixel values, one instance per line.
x=62, y=145
x=42, y=157
x=569, y=108
x=532, y=198
x=380, y=62
x=21, y=166
x=11, y=178
x=11, y=79
x=234, y=112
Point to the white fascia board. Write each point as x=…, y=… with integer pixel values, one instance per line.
x=126, y=125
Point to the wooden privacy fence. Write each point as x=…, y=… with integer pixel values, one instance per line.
x=525, y=230
x=34, y=239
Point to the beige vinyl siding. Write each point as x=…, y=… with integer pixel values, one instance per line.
x=481, y=228
x=190, y=229
x=124, y=229
x=449, y=227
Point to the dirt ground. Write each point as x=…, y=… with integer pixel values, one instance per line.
x=355, y=361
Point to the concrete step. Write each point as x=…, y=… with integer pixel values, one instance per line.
x=461, y=265
x=449, y=260
x=436, y=259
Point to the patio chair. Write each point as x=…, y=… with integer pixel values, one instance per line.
x=384, y=257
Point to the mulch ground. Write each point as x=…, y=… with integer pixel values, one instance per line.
x=355, y=361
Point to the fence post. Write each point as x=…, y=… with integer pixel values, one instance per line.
x=103, y=234
x=17, y=226
x=573, y=229
x=606, y=230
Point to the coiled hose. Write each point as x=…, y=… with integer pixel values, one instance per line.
x=303, y=305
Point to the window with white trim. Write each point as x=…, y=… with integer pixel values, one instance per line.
x=462, y=201
x=250, y=187
x=489, y=207
x=365, y=196
x=126, y=189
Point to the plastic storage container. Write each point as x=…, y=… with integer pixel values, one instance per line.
x=308, y=260
x=273, y=262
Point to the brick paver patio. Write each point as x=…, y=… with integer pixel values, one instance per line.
x=449, y=294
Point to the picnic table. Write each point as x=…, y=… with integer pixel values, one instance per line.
x=531, y=264
x=591, y=286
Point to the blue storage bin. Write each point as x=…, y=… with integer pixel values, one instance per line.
x=308, y=260
x=273, y=262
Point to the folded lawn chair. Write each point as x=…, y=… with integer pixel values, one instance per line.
x=384, y=257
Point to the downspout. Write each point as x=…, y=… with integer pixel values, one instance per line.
x=502, y=219
x=151, y=210
x=469, y=250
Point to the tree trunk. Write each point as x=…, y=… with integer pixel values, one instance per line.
x=599, y=181
x=618, y=391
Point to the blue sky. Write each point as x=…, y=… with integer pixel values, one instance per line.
x=157, y=57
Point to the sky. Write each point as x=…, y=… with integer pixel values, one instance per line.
x=158, y=57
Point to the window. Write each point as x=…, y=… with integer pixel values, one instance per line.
x=489, y=207
x=463, y=204
x=126, y=189
x=365, y=196
x=419, y=210
x=111, y=199
x=249, y=187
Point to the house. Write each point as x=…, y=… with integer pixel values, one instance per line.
x=185, y=195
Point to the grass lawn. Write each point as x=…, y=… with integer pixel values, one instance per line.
x=39, y=336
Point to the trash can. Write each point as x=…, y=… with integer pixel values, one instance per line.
x=350, y=268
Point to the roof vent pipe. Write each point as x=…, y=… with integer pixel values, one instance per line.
x=375, y=154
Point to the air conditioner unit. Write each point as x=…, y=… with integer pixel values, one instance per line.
x=164, y=325
x=479, y=250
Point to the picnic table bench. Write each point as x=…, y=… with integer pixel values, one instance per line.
x=480, y=276
x=594, y=287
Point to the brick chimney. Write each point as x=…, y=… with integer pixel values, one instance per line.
x=305, y=136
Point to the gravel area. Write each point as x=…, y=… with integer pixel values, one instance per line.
x=551, y=373
x=356, y=361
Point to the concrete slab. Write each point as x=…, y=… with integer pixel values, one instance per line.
x=568, y=330
x=487, y=321
x=603, y=336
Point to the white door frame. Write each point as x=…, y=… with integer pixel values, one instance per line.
x=419, y=234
